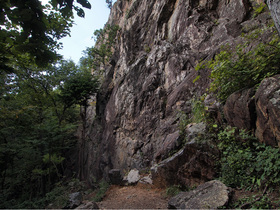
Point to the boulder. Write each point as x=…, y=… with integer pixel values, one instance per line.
x=210, y=195
x=268, y=111
x=146, y=180
x=133, y=177
x=234, y=10
x=193, y=164
x=115, y=177
x=239, y=109
x=75, y=199
x=88, y=205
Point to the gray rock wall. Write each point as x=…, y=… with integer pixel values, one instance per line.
x=274, y=7
x=150, y=79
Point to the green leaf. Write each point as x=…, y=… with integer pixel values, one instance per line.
x=80, y=12
x=197, y=78
x=84, y=3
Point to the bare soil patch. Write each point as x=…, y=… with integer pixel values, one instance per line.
x=141, y=196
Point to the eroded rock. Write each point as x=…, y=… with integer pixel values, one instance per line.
x=274, y=7
x=268, y=111
x=115, y=176
x=150, y=81
x=193, y=164
x=210, y=195
x=146, y=180
x=75, y=199
x=239, y=109
x=133, y=176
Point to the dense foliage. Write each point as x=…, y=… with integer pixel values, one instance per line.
x=31, y=31
x=38, y=119
x=239, y=67
x=247, y=163
x=42, y=100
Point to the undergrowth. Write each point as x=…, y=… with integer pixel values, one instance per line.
x=247, y=163
x=253, y=202
x=173, y=190
x=245, y=65
x=101, y=190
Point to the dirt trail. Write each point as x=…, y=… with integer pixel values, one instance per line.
x=141, y=196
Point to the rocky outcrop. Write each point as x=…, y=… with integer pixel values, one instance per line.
x=239, y=109
x=192, y=165
x=268, y=111
x=115, y=177
x=150, y=80
x=211, y=195
x=257, y=111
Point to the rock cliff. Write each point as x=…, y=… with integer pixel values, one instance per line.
x=149, y=80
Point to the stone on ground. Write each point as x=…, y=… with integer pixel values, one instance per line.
x=133, y=176
x=89, y=205
x=146, y=180
x=115, y=177
x=210, y=195
x=75, y=199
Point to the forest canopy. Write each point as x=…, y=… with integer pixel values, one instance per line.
x=41, y=96
x=30, y=31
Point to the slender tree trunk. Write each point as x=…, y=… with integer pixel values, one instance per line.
x=83, y=114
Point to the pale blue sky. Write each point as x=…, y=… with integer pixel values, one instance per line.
x=82, y=31
x=83, y=28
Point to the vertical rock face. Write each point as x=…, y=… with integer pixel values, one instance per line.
x=150, y=79
x=274, y=7
x=239, y=109
x=268, y=111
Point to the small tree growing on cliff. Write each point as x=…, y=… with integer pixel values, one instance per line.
x=238, y=68
x=102, y=52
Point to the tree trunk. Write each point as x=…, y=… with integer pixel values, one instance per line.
x=83, y=114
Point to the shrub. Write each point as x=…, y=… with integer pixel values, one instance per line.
x=259, y=8
x=238, y=68
x=100, y=193
x=245, y=162
x=198, y=111
x=173, y=190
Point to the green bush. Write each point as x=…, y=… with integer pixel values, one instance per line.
x=253, y=202
x=198, y=114
x=259, y=8
x=173, y=190
x=198, y=111
x=58, y=197
x=238, y=68
x=100, y=193
x=245, y=162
